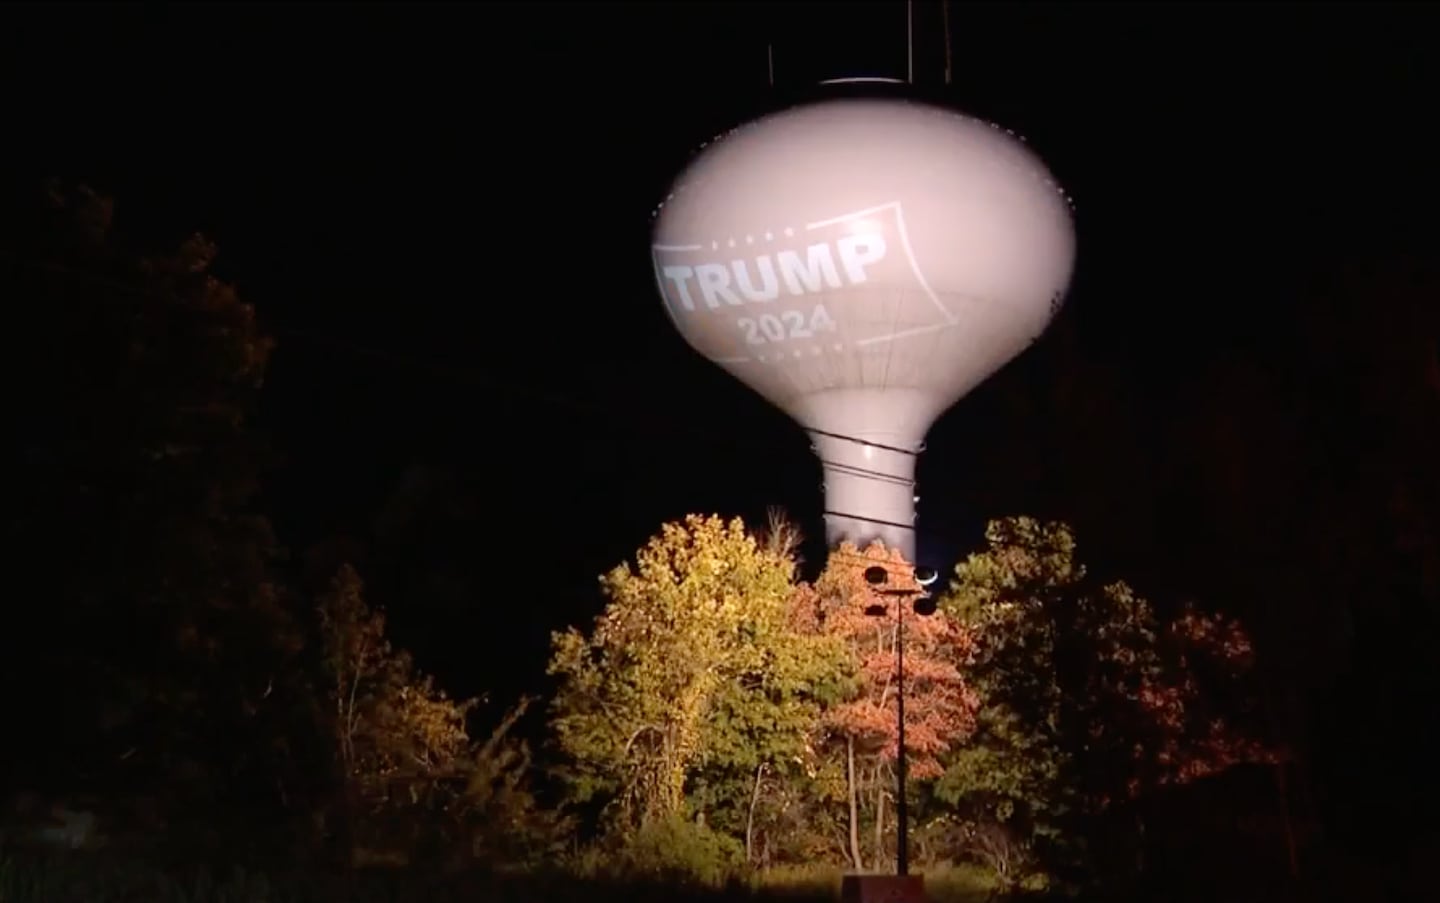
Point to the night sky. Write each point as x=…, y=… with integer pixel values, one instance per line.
x=442, y=214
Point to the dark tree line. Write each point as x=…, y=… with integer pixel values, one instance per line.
x=166, y=663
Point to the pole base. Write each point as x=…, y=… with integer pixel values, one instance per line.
x=882, y=889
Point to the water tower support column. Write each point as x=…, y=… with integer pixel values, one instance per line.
x=869, y=490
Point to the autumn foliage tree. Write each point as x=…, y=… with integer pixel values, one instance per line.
x=1090, y=698
x=399, y=741
x=692, y=689
x=939, y=705
x=410, y=774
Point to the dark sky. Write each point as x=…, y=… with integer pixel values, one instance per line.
x=442, y=212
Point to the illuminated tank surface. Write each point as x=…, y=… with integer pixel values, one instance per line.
x=863, y=264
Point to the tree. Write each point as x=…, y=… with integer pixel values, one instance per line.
x=500, y=819
x=401, y=744
x=693, y=688
x=939, y=706
x=178, y=644
x=410, y=778
x=1089, y=699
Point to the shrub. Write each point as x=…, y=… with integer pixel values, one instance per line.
x=673, y=851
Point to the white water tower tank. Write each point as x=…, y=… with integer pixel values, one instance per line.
x=863, y=264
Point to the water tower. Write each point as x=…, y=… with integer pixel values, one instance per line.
x=863, y=263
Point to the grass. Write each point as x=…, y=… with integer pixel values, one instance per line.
x=92, y=878
x=947, y=884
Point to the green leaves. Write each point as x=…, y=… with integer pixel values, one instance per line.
x=1089, y=698
x=715, y=688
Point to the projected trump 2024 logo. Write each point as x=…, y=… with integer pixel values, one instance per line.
x=801, y=289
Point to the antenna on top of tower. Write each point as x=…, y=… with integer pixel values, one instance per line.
x=910, y=41
x=945, y=29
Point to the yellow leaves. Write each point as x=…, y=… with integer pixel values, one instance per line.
x=696, y=650
x=391, y=723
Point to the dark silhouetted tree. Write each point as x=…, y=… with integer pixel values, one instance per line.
x=173, y=649
x=1089, y=699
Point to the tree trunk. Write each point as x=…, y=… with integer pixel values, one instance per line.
x=750, y=817
x=855, y=856
x=879, y=818
x=1140, y=844
x=345, y=836
x=1292, y=854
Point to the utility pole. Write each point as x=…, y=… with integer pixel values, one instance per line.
x=924, y=606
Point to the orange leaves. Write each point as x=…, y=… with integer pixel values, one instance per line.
x=939, y=706
x=1223, y=638
x=1184, y=740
